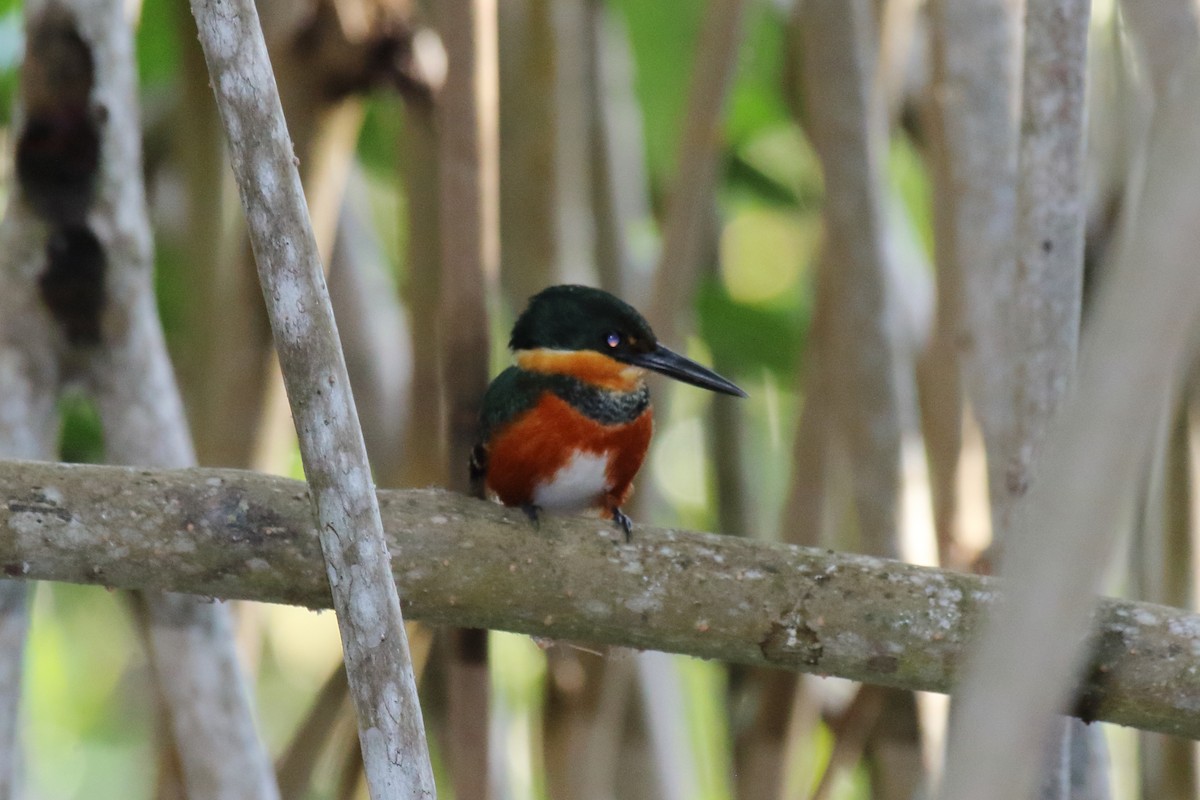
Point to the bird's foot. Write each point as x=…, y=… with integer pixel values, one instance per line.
x=623, y=522
x=534, y=513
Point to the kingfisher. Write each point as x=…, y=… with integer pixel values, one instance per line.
x=567, y=427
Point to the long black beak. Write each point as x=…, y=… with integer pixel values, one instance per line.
x=667, y=362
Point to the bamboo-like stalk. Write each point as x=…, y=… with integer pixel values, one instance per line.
x=850, y=733
x=468, y=156
x=1136, y=345
x=939, y=366
x=663, y=699
x=872, y=388
x=378, y=661
x=243, y=535
x=1162, y=573
x=1047, y=296
x=620, y=188
x=295, y=766
x=467, y=117
x=1166, y=36
x=222, y=338
x=379, y=348
x=425, y=462
x=844, y=117
x=14, y=626
x=974, y=111
x=689, y=233
x=528, y=67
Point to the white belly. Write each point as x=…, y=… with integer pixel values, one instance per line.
x=575, y=486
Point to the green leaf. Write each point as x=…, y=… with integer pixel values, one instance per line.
x=158, y=41
x=750, y=338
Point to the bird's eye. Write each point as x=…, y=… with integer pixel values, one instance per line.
x=613, y=340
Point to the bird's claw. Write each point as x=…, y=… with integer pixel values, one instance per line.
x=534, y=514
x=623, y=522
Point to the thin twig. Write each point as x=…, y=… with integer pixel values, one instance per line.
x=378, y=662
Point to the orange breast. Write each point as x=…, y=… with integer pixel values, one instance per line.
x=536, y=445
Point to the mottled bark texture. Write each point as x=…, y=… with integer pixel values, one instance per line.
x=1047, y=295
x=242, y=535
x=378, y=662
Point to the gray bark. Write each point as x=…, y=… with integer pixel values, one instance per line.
x=1047, y=297
x=242, y=535
x=976, y=66
x=378, y=662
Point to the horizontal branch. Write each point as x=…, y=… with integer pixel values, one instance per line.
x=463, y=562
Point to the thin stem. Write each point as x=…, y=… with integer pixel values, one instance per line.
x=378, y=662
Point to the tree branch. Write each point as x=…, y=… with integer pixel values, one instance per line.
x=241, y=535
x=378, y=662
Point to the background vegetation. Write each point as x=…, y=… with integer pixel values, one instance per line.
x=611, y=115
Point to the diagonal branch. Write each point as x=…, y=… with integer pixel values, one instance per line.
x=243, y=535
x=378, y=662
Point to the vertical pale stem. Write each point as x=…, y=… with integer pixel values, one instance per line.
x=1022, y=669
x=974, y=108
x=574, y=217
x=468, y=159
x=620, y=188
x=528, y=189
x=425, y=443
x=191, y=644
x=14, y=625
x=871, y=386
x=1048, y=290
x=844, y=117
x=1166, y=35
x=1162, y=573
x=378, y=662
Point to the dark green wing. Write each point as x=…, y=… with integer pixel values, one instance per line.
x=513, y=392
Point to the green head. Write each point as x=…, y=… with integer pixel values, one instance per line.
x=582, y=318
